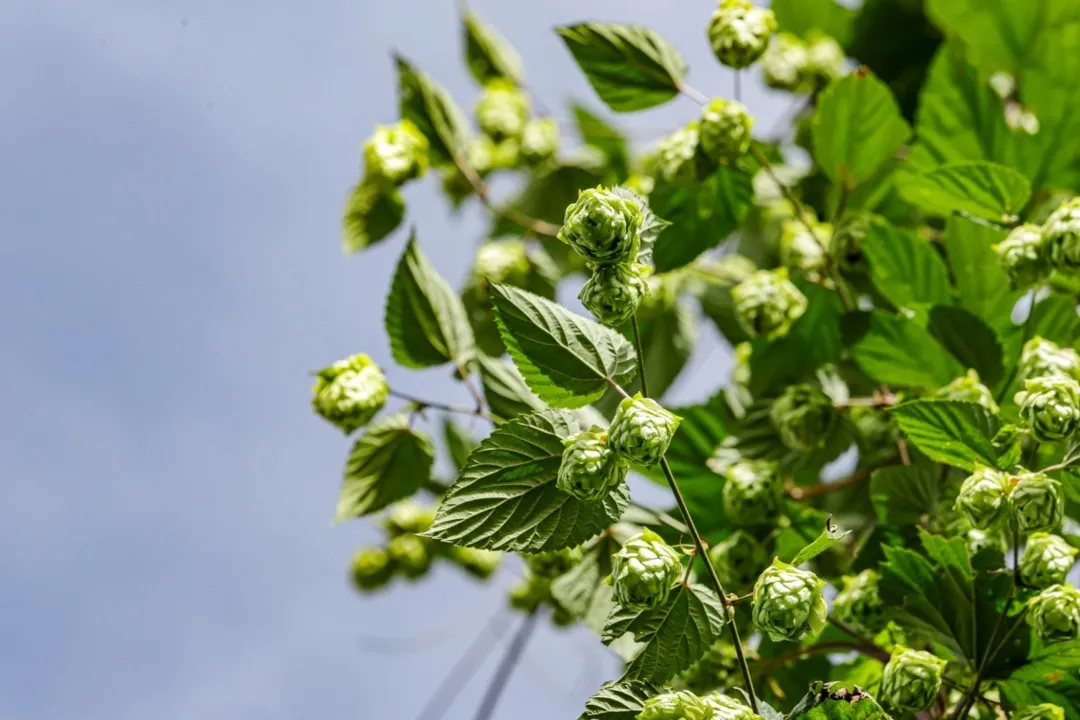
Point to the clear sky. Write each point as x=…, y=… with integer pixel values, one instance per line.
x=171, y=179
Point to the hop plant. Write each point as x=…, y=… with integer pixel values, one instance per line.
x=824, y=61
x=1023, y=256
x=613, y=293
x=1047, y=560
x=767, y=303
x=371, y=568
x=502, y=111
x=874, y=427
x=1050, y=406
x=673, y=158
x=739, y=32
x=859, y=603
x=847, y=240
x=553, y=563
x=644, y=571
x=1038, y=503
x=1045, y=711
x=479, y=563
x=911, y=680
x=725, y=707
x=642, y=430
x=1040, y=357
x=984, y=497
x=799, y=249
x=789, y=604
x=350, y=392
x=395, y=154
x=408, y=517
x=603, y=227
x=719, y=668
x=530, y=593
x=752, y=493
x=539, y=140
x=976, y=541
x=504, y=261
x=968, y=388
x=590, y=470
x=784, y=63
x=725, y=129
x=675, y=705
x=409, y=554
x=1061, y=235
x=738, y=560
x=803, y=417
x=1054, y=614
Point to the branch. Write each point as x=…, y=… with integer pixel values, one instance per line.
x=444, y=407
x=533, y=225
x=800, y=493
x=506, y=667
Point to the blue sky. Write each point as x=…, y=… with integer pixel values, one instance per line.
x=172, y=179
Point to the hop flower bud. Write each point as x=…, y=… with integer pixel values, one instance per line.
x=371, y=568
x=740, y=32
x=1023, y=256
x=725, y=129
x=1047, y=560
x=1061, y=235
x=767, y=303
x=530, y=593
x=824, y=61
x=613, y=292
x=752, y=492
x=789, y=603
x=719, y=668
x=505, y=154
x=673, y=158
x=1054, y=614
x=984, y=497
x=603, y=227
x=1050, y=406
x=785, y=63
x=1046, y=711
x=677, y=705
x=410, y=555
x=1041, y=357
x=408, y=517
x=553, y=563
x=911, y=680
x=539, y=140
x=803, y=417
x=395, y=154
x=478, y=563
x=644, y=571
x=503, y=261
x=642, y=430
x=725, y=707
x=502, y=110
x=976, y=541
x=967, y=388
x=801, y=250
x=1038, y=503
x=350, y=392
x=859, y=604
x=738, y=560
x=875, y=428
x=590, y=470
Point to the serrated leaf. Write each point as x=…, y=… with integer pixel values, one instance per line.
x=802, y=16
x=982, y=286
x=582, y=590
x=488, y=55
x=425, y=320
x=675, y=635
x=955, y=433
x=630, y=67
x=620, y=700
x=566, y=359
x=432, y=110
x=370, y=216
x=896, y=351
x=598, y=133
x=459, y=442
x=903, y=494
x=905, y=268
x=389, y=462
x=831, y=535
x=969, y=339
x=987, y=190
x=505, y=498
x=504, y=389
x=1052, y=675
x=837, y=701
x=857, y=127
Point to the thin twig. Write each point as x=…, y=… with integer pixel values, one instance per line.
x=533, y=225
x=506, y=667
x=422, y=404
x=638, y=346
x=801, y=493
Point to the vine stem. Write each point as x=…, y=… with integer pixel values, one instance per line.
x=445, y=407
x=533, y=225
x=506, y=667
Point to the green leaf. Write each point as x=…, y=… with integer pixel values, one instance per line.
x=857, y=127
x=837, y=701
x=425, y=320
x=981, y=284
x=582, y=590
x=905, y=268
x=702, y=215
x=459, y=442
x=802, y=16
x=567, y=360
x=370, y=216
x=903, y=494
x=389, y=462
x=506, y=499
x=954, y=433
x=630, y=67
x=1052, y=675
x=598, y=133
x=487, y=53
x=675, y=635
x=504, y=389
x=831, y=535
x=896, y=351
x=970, y=341
x=432, y=110
x=986, y=190
x=620, y=700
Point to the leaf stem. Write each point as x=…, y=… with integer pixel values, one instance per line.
x=639, y=349
x=445, y=407
x=533, y=225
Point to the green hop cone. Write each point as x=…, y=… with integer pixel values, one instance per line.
x=502, y=110
x=410, y=555
x=503, y=261
x=1061, y=235
x=675, y=705
x=789, y=604
x=875, y=429
x=725, y=707
x=539, y=140
x=553, y=563
x=911, y=680
x=859, y=603
x=968, y=388
x=1047, y=560
x=824, y=61
x=371, y=568
x=642, y=430
x=603, y=227
x=738, y=560
x=984, y=497
x=395, y=154
x=752, y=494
x=673, y=160
x=1050, y=406
x=767, y=303
x=799, y=249
x=803, y=417
x=725, y=129
x=1040, y=357
x=784, y=63
x=590, y=470
x=1023, y=256
x=479, y=563
x=1046, y=711
x=613, y=293
x=408, y=517
x=1038, y=503
x=350, y=392
x=644, y=571
x=1054, y=614
x=977, y=541
x=717, y=669
x=739, y=32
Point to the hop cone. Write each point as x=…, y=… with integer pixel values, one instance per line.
x=784, y=63
x=803, y=417
x=1040, y=357
x=859, y=604
x=1061, y=234
x=672, y=160
x=590, y=470
x=504, y=154
x=553, y=563
x=644, y=571
x=350, y=392
x=719, y=668
x=603, y=227
x=738, y=560
x=1023, y=256
x=875, y=428
x=1046, y=711
x=801, y=250
x=539, y=140
x=976, y=541
x=676, y=705
x=725, y=707
x=824, y=61
x=984, y=497
x=1055, y=614
x=613, y=292
x=767, y=303
x=410, y=555
x=1047, y=560
x=642, y=430
x=371, y=568
x=408, y=517
x=789, y=603
x=1038, y=503
x=725, y=129
x=502, y=110
x=752, y=492
x=504, y=261
x=395, y=154
x=967, y=388
x=911, y=680
x=1050, y=406
x=740, y=32
x=478, y=563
